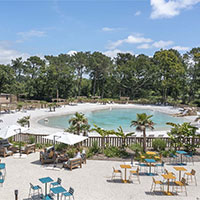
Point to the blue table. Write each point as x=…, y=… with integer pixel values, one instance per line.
x=150, y=161
x=3, y=166
x=181, y=153
x=45, y=180
x=58, y=190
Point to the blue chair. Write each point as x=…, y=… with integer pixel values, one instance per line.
x=47, y=197
x=173, y=157
x=34, y=190
x=161, y=166
x=57, y=183
x=3, y=167
x=144, y=166
x=189, y=157
x=69, y=194
x=1, y=181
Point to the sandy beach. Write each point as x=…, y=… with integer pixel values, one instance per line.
x=36, y=115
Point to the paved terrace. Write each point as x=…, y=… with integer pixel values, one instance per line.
x=91, y=182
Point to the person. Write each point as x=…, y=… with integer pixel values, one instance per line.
x=78, y=154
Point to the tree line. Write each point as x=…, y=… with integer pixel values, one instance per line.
x=166, y=76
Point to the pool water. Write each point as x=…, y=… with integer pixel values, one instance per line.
x=113, y=118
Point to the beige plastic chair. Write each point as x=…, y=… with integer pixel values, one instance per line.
x=135, y=173
x=190, y=175
x=181, y=184
x=156, y=182
x=116, y=173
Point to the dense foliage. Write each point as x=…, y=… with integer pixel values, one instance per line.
x=168, y=76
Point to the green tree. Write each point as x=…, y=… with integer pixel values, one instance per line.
x=78, y=123
x=123, y=135
x=6, y=79
x=143, y=122
x=170, y=70
x=98, y=67
x=103, y=133
x=24, y=121
x=192, y=61
x=79, y=62
x=180, y=133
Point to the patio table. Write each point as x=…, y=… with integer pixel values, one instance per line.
x=46, y=180
x=150, y=161
x=2, y=167
x=181, y=153
x=168, y=176
x=58, y=190
x=151, y=153
x=125, y=167
x=180, y=169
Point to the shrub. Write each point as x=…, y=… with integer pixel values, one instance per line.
x=111, y=152
x=71, y=152
x=159, y=145
x=95, y=149
x=164, y=153
x=137, y=148
x=115, y=152
x=31, y=139
x=61, y=147
x=39, y=146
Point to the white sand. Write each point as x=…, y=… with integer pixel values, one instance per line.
x=36, y=115
x=91, y=182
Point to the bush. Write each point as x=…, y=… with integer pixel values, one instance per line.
x=61, y=147
x=111, y=152
x=94, y=149
x=137, y=148
x=71, y=152
x=165, y=153
x=39, y=146
x=115, y=152
x=31, y=139
x=159, y=145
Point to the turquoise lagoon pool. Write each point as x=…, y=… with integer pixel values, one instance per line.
x=113, y=118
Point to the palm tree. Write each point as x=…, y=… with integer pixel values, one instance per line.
x=120, y=133
x=78, y=122
x=24, y=121
x=103, y=134
x=143, y=121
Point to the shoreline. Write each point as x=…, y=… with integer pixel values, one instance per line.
x=38, y=114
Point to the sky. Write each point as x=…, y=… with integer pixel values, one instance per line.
x=52, y=27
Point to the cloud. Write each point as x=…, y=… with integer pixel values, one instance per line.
x=180, y=48
x=113, y=53
x=131, y=39
x=29, y=34
x=162, y=44
x=71, y=52
x=138, y=13
x=144, y=46
x=170, y=8
x=107, y=29
x=7, y=54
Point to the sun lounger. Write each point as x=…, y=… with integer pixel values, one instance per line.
x=72, y=163
x=29, y=148
x=5, y=152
